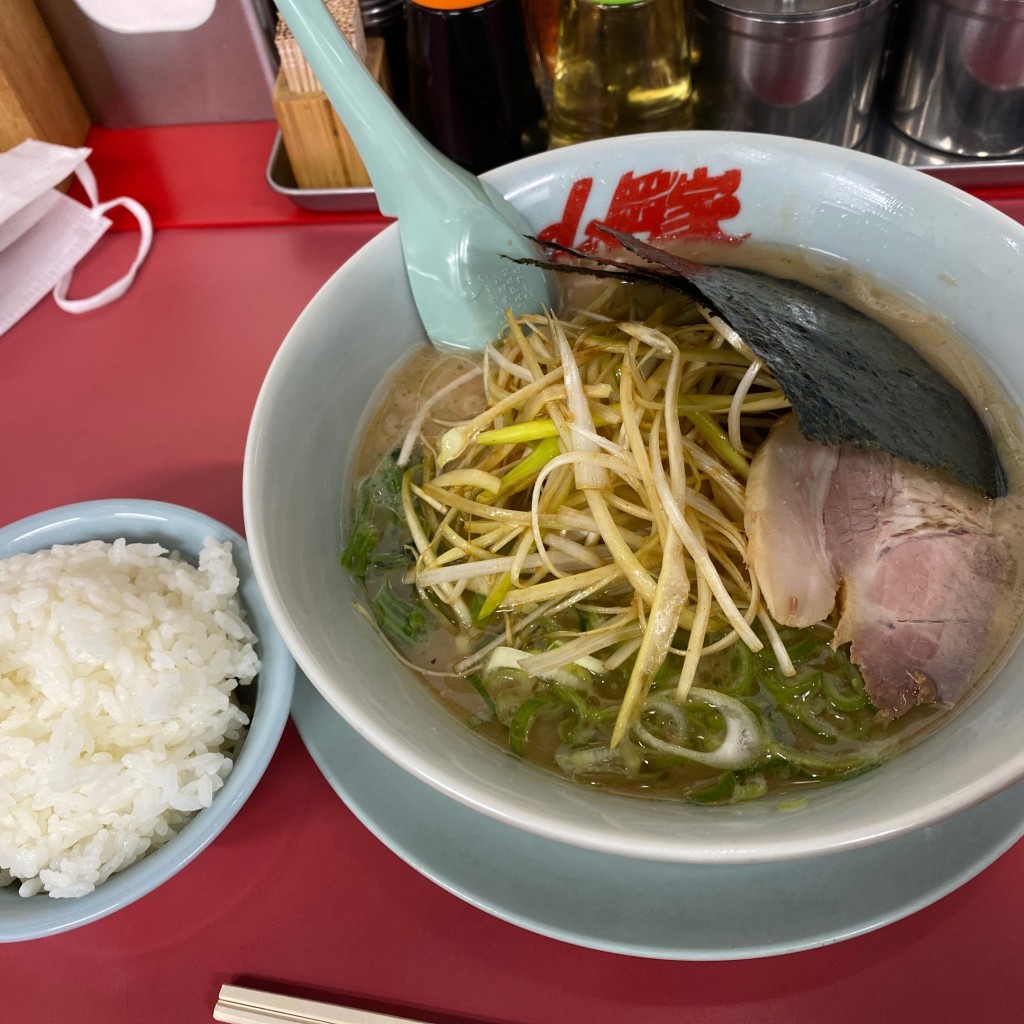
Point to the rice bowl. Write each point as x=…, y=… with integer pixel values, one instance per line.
x=122, y=822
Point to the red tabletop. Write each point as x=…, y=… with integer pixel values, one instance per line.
x=151, y=397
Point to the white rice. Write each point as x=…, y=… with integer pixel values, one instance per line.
x=117, y=722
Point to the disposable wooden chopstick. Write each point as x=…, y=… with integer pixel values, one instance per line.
x=239, y=1005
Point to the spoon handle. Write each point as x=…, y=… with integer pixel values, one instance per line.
x=404, y=167
x=455, y=230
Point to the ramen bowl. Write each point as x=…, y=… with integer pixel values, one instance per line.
x=897, y=229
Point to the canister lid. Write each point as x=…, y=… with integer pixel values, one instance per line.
x=790, y=10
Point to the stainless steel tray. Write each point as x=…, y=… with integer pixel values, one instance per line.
x=282, y=180
x=965, y=172
x=883, y=140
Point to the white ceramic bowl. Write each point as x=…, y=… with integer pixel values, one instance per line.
x=184, y=530
x=958, y=257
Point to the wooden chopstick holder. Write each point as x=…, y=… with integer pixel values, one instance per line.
x=237, y=1004
x=320, y=150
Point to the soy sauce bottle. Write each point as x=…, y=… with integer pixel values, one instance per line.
x=472, y=90
x=385, y=19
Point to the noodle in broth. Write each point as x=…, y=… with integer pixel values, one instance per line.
x=555, y=542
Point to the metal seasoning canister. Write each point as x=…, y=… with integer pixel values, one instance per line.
x=959, y=86
x=806, y=68
x=472, y=90
x=621, y=67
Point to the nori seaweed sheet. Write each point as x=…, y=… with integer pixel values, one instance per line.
x=850, y=380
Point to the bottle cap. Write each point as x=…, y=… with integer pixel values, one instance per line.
x=450, y=5
x=381, y=12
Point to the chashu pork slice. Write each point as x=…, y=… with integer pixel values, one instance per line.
x=786, y=492
x=911, y=554
x=921, y=575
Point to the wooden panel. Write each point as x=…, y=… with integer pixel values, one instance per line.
x=37, y=97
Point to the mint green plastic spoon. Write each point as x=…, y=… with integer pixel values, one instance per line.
x=454, y=228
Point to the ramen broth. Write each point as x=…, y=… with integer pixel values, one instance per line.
x=818, y=720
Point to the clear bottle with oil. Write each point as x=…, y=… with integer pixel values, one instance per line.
x=622, y=67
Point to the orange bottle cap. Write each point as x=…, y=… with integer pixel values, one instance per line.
x=450, y=5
